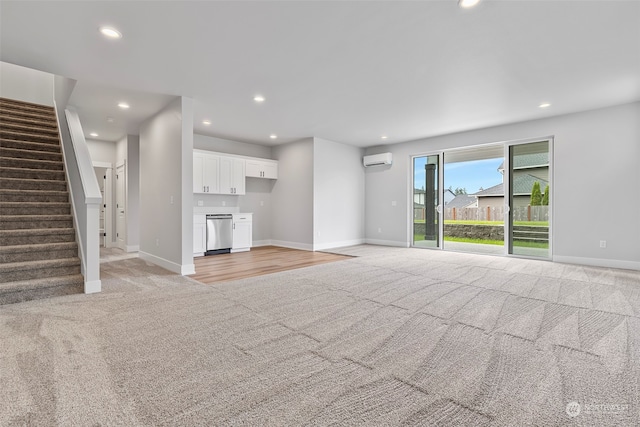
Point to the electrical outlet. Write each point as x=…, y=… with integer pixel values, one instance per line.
x=603, y=244
x=171, y=200
x=394, y=203
x=224, y=203
x=158, y=242
x=379, y=230
x=261, y=202
x=200, y=203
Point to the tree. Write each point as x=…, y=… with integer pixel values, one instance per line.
x=458, y=191
x=536, y=195
x=545, y=197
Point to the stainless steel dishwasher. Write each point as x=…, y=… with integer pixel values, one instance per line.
x=219, y=233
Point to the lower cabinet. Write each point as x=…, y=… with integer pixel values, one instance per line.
x=242, y=232
x=199, y=234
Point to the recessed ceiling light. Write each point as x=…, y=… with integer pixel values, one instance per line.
x=93, y=134
x=206, y=122
x=110, y=119
x=258, y=98
x=273, y=136
x=544, y=105
x=110, y=32
x=466, y=4
x=123, y=105
x=384, y=137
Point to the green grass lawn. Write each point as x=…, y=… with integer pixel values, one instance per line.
x=540, y=245
x=471, y=222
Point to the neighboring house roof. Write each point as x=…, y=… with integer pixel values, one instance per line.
x=496, y=190
x=461, y=201
x=527, y=161
x=522, y=185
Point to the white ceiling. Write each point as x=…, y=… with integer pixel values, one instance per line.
x=347, y=71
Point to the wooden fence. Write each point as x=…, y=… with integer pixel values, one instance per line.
x=489, y=213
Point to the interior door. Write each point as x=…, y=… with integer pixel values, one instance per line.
x=529, y=201
x=121, y=219
x=427, y=210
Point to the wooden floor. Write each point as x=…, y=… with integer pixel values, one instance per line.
x=256, y=262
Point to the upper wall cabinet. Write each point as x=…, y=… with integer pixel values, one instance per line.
x=232, y=175
x=258, y=168
x=217, y=173
x=205, y=173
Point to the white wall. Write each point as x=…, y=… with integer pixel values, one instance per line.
x=203, y=142
x=133, y=193
x=166, y=180
x=102, y=151
x=338, y=189
x=292, y=195
x=596, y=174
x=26, y=84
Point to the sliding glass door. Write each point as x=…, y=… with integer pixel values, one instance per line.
x=529, y=199
x=426, y=201
x=497, y=199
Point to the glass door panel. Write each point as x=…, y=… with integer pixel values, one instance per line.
x=474, y=207
x=426, y=205
x=529, y=200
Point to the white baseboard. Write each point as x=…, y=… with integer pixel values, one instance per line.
x=293, y=245
x=169, y=265
x=233, y=251
x=386, y=243
x=188, y=269
x=92, y=286
x=133, y=248
x=598, y=262
x=333, y=245
x=257, y=243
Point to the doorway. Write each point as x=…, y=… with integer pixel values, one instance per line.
x=104, y=173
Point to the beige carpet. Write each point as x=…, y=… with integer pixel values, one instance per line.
x=393, y=337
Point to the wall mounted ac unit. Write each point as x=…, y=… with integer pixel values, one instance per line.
x=377, y=159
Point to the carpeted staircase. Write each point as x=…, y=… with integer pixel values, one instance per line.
x=38, y=249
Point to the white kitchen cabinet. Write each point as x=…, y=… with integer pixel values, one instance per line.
x=205, y=172
x=242, y=232
x=232, y=175
x=199, y=234
x=259, y=168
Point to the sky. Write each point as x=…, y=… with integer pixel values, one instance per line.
x=470, y=175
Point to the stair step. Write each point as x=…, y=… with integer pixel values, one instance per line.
x=28, y=136
x=28, y=270
x=32, y=184
x=27, y=290
x=23, y=173
x=27, y=106
x=34, y=208
x=29, y=145
x=20, y=222
x=19, y=127
x=8, y=162
x=38, y=252
x=27, y=121
x=9, y=111
x=8, y=195
x=26, y=145
x=19, y=153
x=37, y=236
